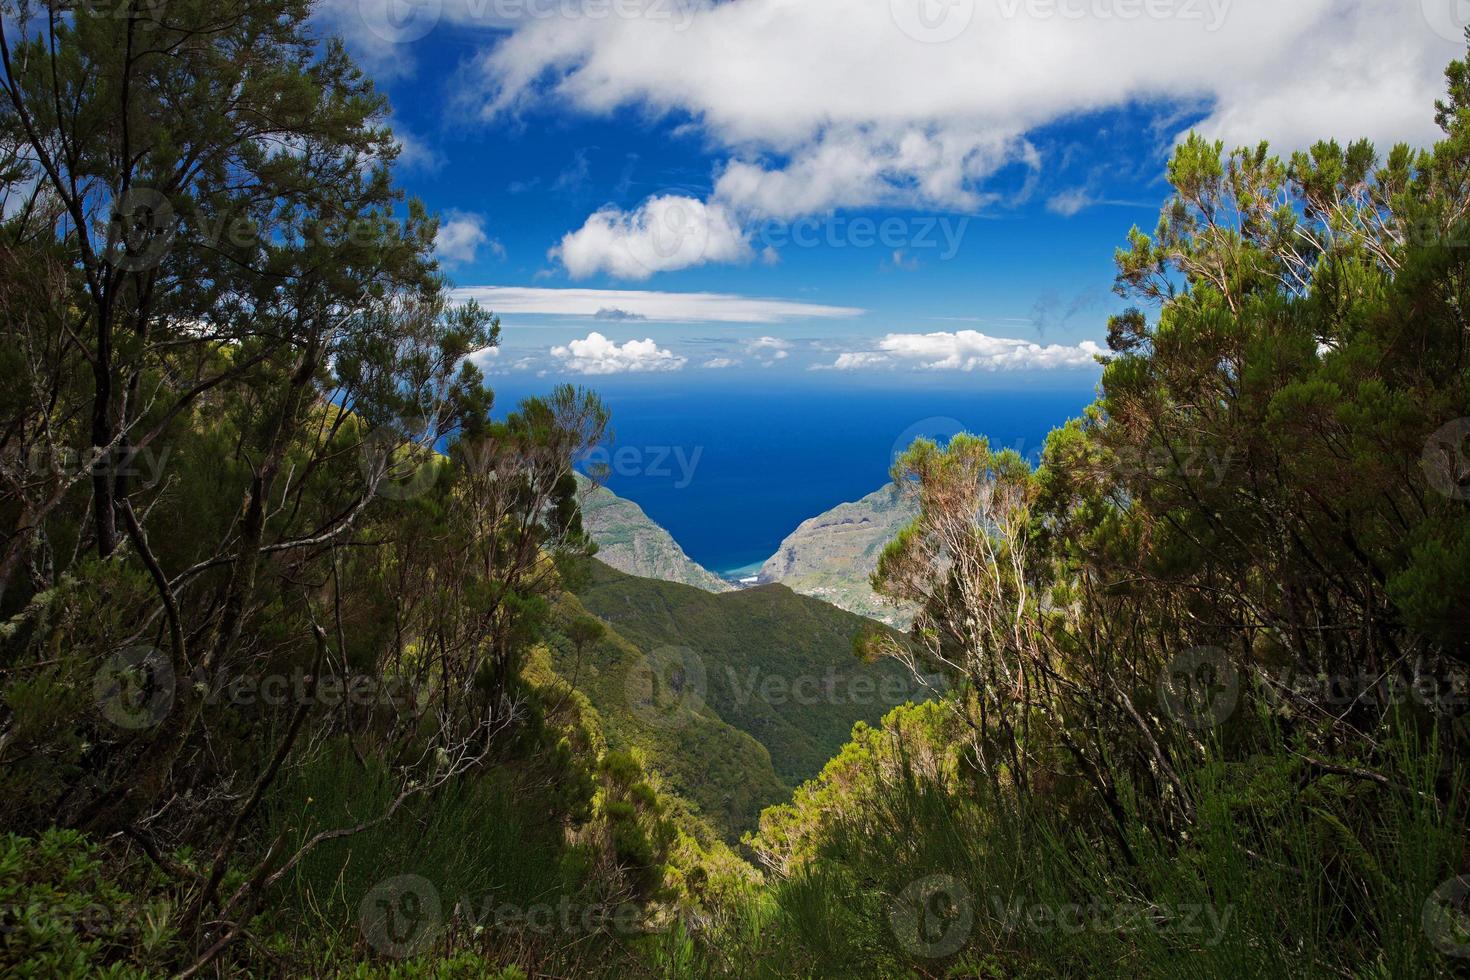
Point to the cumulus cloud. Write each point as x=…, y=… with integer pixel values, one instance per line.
x=770, y=345
x=597, y=355
x=719, y=363
x=662, y=234
x=768, y=350
x=966, y=350
x=663, y=307
x=460, y=237
x=883, y=117
x=858, y=360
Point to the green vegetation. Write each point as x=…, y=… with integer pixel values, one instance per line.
x=1211, y=656
x=773, y=664
x=722, y=772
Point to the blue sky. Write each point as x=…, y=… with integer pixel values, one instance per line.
x=923, y=185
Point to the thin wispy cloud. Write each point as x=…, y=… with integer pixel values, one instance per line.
x=665, y=307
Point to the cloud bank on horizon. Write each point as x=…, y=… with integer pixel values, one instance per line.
x=966, y=351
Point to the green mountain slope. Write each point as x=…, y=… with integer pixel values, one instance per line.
x=831, y=556
x=775, y=665
x=723, y=772
x=631, y=542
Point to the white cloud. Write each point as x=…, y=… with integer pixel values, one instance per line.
x=662, y=234
x=1070, y=203
x=768, y=349
x=414, y=154
x=662, y=307
x=598, y=355
x=719, y=363
x=830, y=103
x=775, y=345
x=966, y=350
x=460, y=237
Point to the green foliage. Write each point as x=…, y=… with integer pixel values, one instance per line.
x=62, y=915
x=776, y=665
x=1271, y=485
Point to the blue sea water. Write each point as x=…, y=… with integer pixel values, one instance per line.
x=731, y=465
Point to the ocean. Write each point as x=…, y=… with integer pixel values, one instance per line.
x=731, y=465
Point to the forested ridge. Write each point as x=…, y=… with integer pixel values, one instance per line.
x=306, y=667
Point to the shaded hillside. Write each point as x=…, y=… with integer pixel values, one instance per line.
x=628, y=540
x=832, y=556
x=776, y=665
x=725, y=773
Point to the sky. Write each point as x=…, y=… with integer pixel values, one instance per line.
x=863, y=189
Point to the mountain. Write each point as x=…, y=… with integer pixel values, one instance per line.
x=760, y=686
x=629, y=541
x=832, y=556
x=724, y=773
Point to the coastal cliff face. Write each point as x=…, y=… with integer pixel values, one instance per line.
x=829, y=557
x=629, y=541
x=832, y=556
